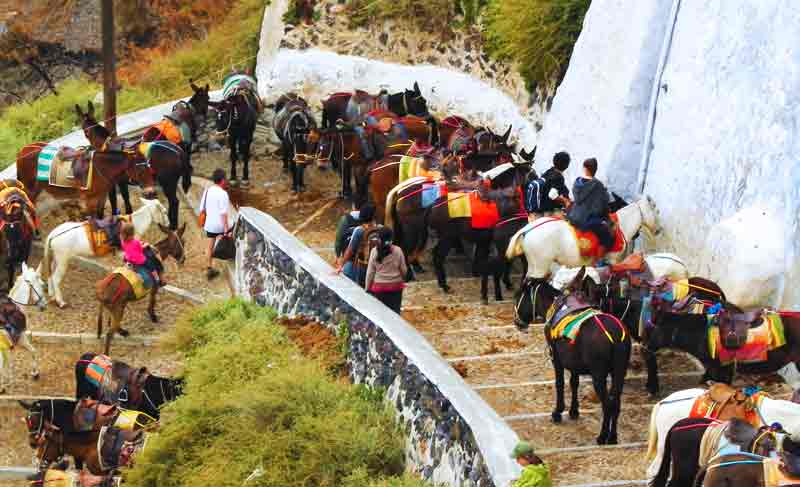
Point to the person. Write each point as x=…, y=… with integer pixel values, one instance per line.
x=136, y=256
x=535, y=473
x=548, y=193
x=354, y=261
x=215, y=202
x=344, y=229
x=589, y=210
x=386, y=270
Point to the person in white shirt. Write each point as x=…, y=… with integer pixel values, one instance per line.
x=216, y=203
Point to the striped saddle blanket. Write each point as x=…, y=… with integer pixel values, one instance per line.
x=97, y=370
x=570, y=325
x=415, y=166
x=242, y=84
x=483, y=214
x=65, y=167
x=139, y=278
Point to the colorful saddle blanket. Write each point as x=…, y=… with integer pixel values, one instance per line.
x=99, y=233
x=415, y=166
x=65, y=167
x=91, y=415
x=483, y=214
x=123, y=384
x=570, y=325
x=716, y=405
x=767, y=336
x=431, y=192
x=589, y=245
x=139, y=278
x=172, y=131
x=97, y=369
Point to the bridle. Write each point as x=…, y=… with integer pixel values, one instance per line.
x=39, y=297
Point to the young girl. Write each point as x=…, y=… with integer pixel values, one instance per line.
x=386, y=271
x=135, y=254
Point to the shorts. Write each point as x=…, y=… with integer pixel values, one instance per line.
x=212, y=234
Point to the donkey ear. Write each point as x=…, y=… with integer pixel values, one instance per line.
x=524, y=154
x=507, y=134
x=416, y=88
x=533, y=152
x=163, y=228
x=78, y=110
x=183, y=229
x=194, y=87
x=91, y=109
x=578, y=279
x=207, y=88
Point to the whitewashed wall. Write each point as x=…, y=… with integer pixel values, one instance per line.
x=315, y=74
x=724, y=167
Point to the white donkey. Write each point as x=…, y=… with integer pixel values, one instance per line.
x=665, y=265
x=70, y=240
x=678, y=406
x=545, y=242
x=14, y=329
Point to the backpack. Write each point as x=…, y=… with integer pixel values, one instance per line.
x=347, y=226
x=366, y=244
x=535, y=194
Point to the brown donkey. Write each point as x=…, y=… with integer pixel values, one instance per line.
x=103, y=169
x=115, y=292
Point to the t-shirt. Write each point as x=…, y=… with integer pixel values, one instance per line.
x=216, y=203
x=534, y=476
x=134, y=252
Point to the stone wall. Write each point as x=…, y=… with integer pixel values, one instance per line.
x=454, y=437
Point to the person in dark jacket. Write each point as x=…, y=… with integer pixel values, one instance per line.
x=344, y=229
x=589, y=210
x=554, y=179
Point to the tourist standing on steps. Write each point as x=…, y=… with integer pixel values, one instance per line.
x=535, y=473
x=386, y=270
x=216, y=204
x=344, y=229
x=354, y=260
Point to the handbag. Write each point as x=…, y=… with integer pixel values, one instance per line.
x=201, y=218
x=225, y=248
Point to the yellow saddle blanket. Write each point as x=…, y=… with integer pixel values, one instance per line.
x=458, y=205
x=140, y=288
x=414, y=166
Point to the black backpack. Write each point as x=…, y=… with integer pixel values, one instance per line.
x=535, y=194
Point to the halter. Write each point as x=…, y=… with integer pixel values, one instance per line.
x=534, y=293
x=228, y=128
x=39, y=297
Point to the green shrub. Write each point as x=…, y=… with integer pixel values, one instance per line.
x=252, y=402
x=430, y=14
x=538, y=35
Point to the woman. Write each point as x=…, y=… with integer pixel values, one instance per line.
x=386, y=271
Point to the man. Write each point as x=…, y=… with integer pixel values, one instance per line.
x=590, y=208
x=355, y=259
x=344, y=229
x=535, y=473
x=549, y=193
x=215, y=202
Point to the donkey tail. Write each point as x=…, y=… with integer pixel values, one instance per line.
x=390, y=211
x=652, y=437
x=660, y=480
x=186, y=176
x=515, y=245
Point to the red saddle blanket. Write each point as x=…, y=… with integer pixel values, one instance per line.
x=589, y=245
x=483, y=214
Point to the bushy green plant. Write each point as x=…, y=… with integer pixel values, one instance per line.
x=254, y=405
x=420, y=13
x=537, y=35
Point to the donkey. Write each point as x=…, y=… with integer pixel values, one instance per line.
x=13, y=333
x=602, y=347
x=292, y=124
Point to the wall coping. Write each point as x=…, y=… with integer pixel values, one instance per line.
x=494, y=437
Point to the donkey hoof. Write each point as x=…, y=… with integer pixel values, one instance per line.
x=35, y=376
x=123, y=332
x=498, y=297
x=574, y=415
x=153, y=318
x=612, y=440
x=445, y=288
x=556, y=417
x=484, y=301
x=602, y=440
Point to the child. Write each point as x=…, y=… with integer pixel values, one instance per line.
x=535, y=473
x=135, y=254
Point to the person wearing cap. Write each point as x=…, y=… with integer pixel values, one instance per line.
x=535, y=473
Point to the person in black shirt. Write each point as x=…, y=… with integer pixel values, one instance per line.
x=554, y=179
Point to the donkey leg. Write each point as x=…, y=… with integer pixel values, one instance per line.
x=652, y=370
x=25, y=342
x=244, y=148
x=600, y=388
x=232, y=157
x=112, y=198
x=293, y=172
x=574, y=382
x=126, y=197
x=301, y=175
x=439, y=256
x=55, y=282
x=100, y=322
x=170, y=189
x=151, y=307
x=5, y=370
x=559, y=372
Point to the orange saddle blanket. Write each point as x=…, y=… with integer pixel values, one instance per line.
x=483, y=214
x=589, y=245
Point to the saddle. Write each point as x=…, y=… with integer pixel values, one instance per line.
x=124, y=384
x=723, y=402
x=116, y=447
x=571, y=304
x=81, y=166
x=632, y=263
x=91, y=415
x=109, y=228
x=120, y=144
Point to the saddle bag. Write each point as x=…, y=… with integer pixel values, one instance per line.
x=225, y=248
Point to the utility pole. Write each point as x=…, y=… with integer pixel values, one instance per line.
x=109, y=68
